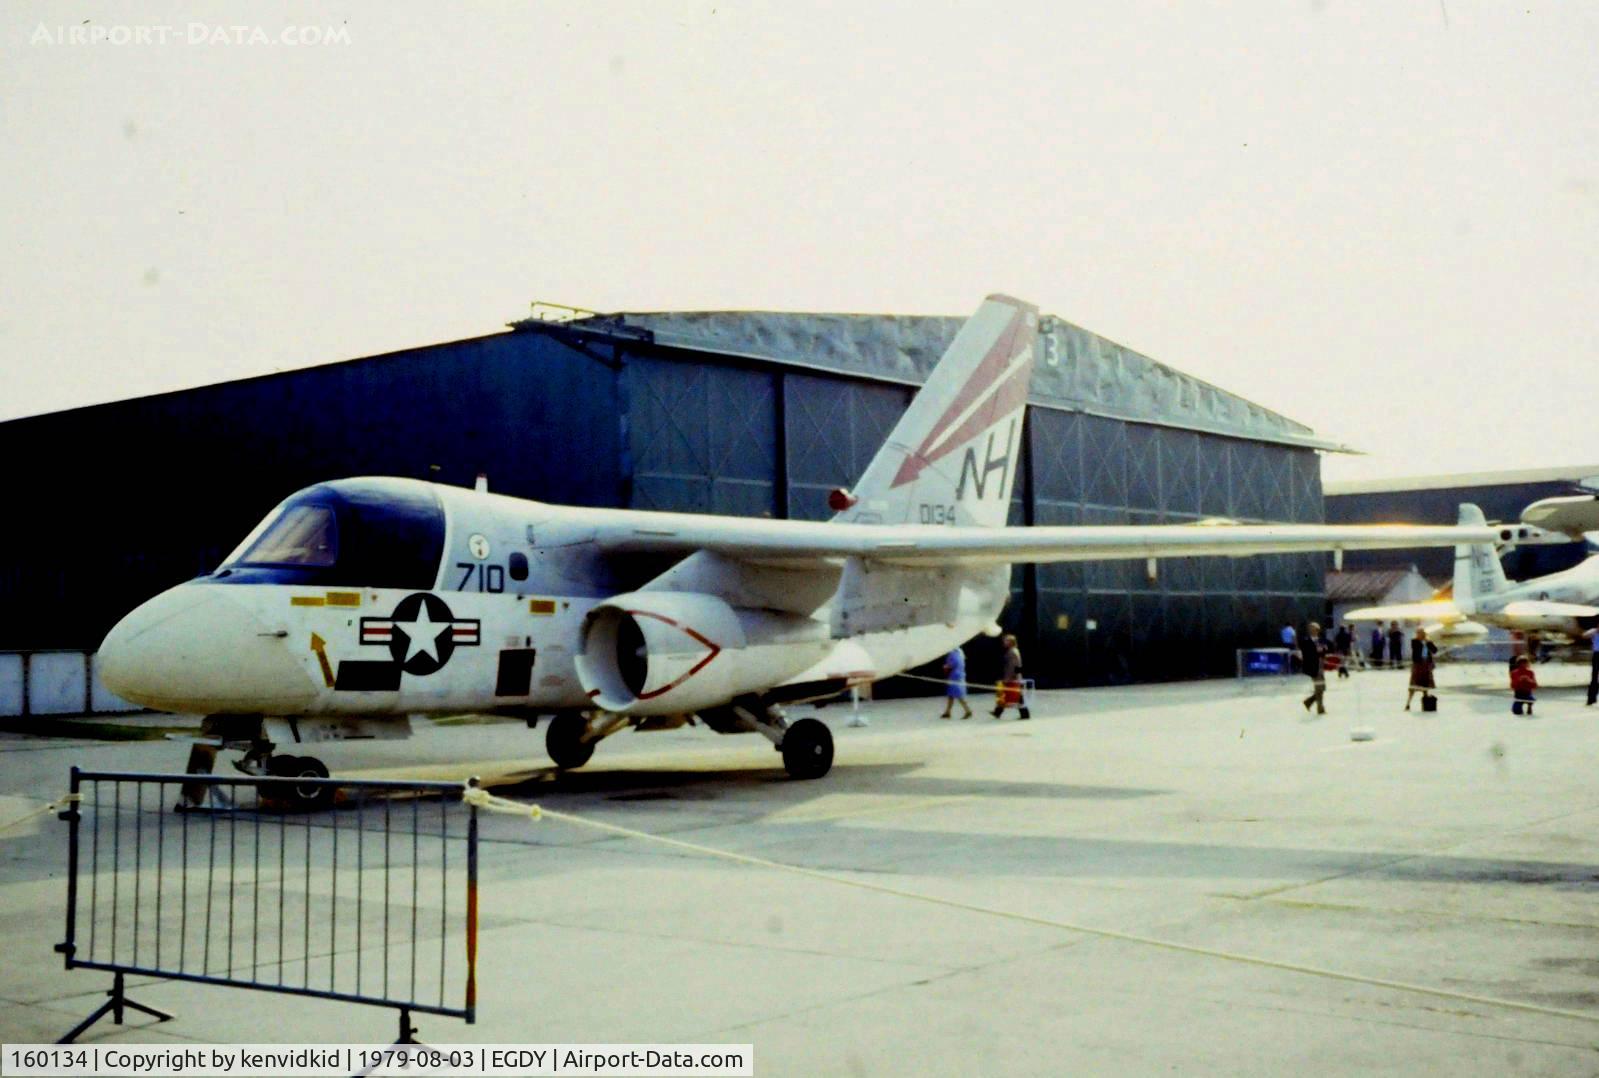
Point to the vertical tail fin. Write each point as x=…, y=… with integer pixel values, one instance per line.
x=1478, y=573
x=952, y=457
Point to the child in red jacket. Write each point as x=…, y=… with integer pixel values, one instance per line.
x=1522, y=682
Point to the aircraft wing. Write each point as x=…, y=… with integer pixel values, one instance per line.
x=1442, y=611
x=795, y=544
x=1534, y=608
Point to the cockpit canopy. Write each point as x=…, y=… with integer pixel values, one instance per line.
x=374, y=533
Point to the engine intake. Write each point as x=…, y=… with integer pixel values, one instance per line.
x=662, y=653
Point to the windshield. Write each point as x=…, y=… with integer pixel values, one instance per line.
x=301, y=535
x=380, y=533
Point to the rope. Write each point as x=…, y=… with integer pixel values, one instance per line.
x=932, y=680
x=66, y=799
x=482, y=799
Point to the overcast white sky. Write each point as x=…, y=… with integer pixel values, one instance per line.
x=1379, y=219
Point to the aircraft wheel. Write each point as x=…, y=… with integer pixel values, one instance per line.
x=807, y=749
x=307, y=798
x=563, y=740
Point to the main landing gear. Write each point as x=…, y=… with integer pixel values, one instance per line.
x=806, y=744
x=572, y=735
x=807, y=749
x=567, y=741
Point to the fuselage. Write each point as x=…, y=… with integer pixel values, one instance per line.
x=393, y=597
x=1579, y=584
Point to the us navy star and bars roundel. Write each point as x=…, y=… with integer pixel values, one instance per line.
x=422, y=634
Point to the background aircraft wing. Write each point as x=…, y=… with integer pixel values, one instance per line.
x=1533, y=608
x=795, y=544
x=1440, y=610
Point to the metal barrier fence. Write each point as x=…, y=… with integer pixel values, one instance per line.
x=371, y=900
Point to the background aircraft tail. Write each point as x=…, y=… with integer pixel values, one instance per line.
x=1478, y=573
x=952, y=458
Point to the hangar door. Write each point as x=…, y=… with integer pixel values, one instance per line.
x=701, y=438
x=832, y=429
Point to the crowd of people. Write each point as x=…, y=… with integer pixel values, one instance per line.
x=1313, y=655
x=1316, y=654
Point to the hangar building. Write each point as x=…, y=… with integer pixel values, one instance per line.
x=741, y=413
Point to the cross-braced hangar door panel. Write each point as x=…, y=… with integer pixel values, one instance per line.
x=1211, y=476
x=833, y=429
x=1143, y=467
x=1056, y=446
x=703, y=439
x=1104, y=461
x=1179, y=470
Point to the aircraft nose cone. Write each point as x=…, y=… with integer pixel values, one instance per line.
x=197, y=648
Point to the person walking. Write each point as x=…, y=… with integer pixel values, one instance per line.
x=1313, y=661
x=1422, y=651
x=1010, y=685
x=955, y=683
x=1344, y=644
x=1376, y=645
x=1593, y=665
x=1396, y=644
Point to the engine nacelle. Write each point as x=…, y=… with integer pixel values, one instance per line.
x=665, y=653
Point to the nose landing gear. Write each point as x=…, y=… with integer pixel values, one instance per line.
x=309, y=796
x=237, y=732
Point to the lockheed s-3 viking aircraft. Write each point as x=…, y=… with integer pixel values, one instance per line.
x=359, y=603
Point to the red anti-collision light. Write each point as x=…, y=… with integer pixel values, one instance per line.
x=840, y=499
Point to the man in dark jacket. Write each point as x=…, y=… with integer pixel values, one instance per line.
x=1313, y=661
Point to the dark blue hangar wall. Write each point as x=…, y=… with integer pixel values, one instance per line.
x=169, y=484
x=110, y=504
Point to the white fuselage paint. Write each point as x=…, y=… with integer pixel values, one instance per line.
x=1579, y=585
x=278, y=648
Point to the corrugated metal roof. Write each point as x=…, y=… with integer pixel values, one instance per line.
x=1077, y=370
x=1356, y=584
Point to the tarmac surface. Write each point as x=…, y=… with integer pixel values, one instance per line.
x=1455, y=851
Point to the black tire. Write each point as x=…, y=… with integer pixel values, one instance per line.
x=807, y=749
x=563, y=740
x=307, y=798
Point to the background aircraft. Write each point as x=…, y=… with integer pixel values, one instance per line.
x=358, y=603
x=1557, y=607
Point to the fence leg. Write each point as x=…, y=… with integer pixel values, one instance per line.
x=114, y=1007
x=407, y=1030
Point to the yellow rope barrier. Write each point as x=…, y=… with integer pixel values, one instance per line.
x=51, y=807
x=492, y=803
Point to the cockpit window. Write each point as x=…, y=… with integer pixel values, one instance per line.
x=376, y=533
x=302, y=535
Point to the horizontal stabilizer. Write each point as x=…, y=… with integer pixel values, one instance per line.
x=1440, y=610
x=1536, y=608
